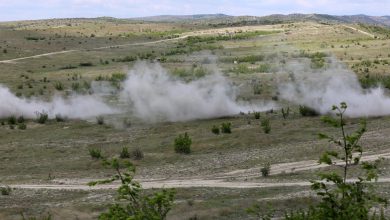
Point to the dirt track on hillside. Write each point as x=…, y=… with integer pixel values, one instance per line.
x=183, y=36
x=243, y=178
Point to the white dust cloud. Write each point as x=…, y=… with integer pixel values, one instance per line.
x=155, y=95
x=322, y=88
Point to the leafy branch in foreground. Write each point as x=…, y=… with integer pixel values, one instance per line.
x=343, y=198
x=133, y=203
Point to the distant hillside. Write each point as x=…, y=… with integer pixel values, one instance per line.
x=175, y=18
x=222, y=19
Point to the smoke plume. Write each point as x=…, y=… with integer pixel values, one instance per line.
x=73, y=107
x=149, y=93
x=155, y=95
x=320, y=89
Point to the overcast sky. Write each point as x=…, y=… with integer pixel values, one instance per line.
x=40, y=9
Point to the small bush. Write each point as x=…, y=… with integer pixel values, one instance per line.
x=183, y=144
x=286, y=112
x=265, y=170
x=42, y=117
x=100, y=120
x=215, y=129
x=124, y=153
x=22, y=126
x=21, y=119
x=60, y=118
x=226, y=128
x=59, y=86
x=137, y=154
x=12, y=127
x=95, y=153
x=307, y=111
x=265, y=123
x=11, y=120
x=257, y=115
x=5, y=190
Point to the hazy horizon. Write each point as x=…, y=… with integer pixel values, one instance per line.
x=49, y=9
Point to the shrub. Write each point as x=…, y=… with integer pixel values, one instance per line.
x=59, y=86
x=137, y=154
x=286, y=112
x=265, y=123
x=100, y=120
x=124, y=153
x=5, y=190
x=183, y=144
x=257, y=115
x=215, y=129
x=12, y=127
x=226, y=128
x=11, y=120
x=42, y=117
x=21, y=119
x=22, y=126
x=307, y=111
x=265, y=171
x=95, y=153
x=60, y=118
x=86, y=64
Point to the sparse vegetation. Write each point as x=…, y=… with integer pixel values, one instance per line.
x=42, y=117
x=215, y=129
x=124, y=153
x=137, y=154
x=100, y=120
x=226, y=128
x=95, y=153
x=266, y=125
x=265, y=170
x=307, y=111
x=5, y=190
x=183, y=144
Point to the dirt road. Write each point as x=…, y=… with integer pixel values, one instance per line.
x=244, y=178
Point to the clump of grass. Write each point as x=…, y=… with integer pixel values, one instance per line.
x=265, y=171
x=60, y=118
x=22, y=126
x=226, y=128
x=137, y=154
x=307, y=111
x=265, y=123
x=257, y=115
x=183, y=144
x=11, y=120
x=286, y=112
x=100, y=120
x=42, y=117
x=215, y=129
x=21, y=119
x=95, y=153
x=59, y=86
x=5, y=190
x=124, y=153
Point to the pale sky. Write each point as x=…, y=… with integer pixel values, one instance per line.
x=41, y=9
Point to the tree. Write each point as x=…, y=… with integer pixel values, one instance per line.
x=134, y=204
